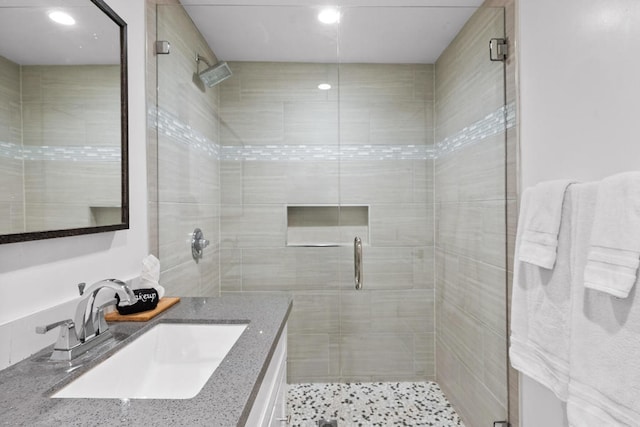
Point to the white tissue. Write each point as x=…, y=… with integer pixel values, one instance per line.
x=151, y=274
x=160, y=290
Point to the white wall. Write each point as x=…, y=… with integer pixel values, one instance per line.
x=36, y=276
x=579, y=88
x=579, y=110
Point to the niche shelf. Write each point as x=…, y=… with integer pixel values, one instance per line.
x=105, y=215
x=327, y=225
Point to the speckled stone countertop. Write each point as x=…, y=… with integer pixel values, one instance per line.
x=225, y=400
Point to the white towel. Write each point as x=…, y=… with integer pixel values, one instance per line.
x=540, y=313
x=541, y=223
x=614, y=253
x=604, y=387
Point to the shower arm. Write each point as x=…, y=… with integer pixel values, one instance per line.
x=203, y=59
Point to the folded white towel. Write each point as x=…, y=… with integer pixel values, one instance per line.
x=541, y=223
x=604, y=386
x=540, y=309
x=614, y=254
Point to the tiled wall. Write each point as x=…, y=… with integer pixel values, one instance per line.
x=367, y=141
x=64, y=110
x=11, y=167
x=186, y=194
x=60, y=148
x=471, y=218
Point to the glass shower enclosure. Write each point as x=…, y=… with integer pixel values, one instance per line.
x=323, y=137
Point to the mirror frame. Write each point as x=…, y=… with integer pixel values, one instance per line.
x=124, y=137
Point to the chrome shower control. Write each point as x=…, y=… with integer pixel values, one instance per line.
x=198, y=243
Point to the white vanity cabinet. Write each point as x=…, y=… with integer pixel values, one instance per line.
x=270, y=407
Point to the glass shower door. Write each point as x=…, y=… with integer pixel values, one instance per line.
x=188, y=158
x=387, y=328
x=279, y=169
x=470, y=170
x=306, y=148
x=423, y=152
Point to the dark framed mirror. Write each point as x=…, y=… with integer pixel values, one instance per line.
x=63, y=119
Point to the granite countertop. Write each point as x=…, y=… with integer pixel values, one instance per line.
x=225, y=400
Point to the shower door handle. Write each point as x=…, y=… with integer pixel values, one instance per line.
x=357, y=262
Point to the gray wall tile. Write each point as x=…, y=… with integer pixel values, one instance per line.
x=315, y=310
x=389, y=330
x=377, y=356
x=289, y=268
x=267, y=107
x=471, y=225
x=401, y=224
x=253, y=226
x=312, y=357
x=187, y=141
x=474, y=229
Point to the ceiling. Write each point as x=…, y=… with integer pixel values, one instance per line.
x=29, y=37
x=369, y=31
x=376, y=31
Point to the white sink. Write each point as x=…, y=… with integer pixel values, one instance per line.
x=170, y=361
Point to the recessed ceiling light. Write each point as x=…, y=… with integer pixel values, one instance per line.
x=324, y=86
x=61, y=18
x=329, y=15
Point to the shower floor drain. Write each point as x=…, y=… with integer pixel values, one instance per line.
x=324, y=423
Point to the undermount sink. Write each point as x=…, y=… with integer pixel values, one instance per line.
x=170, y=361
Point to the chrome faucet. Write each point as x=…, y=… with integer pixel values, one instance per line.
x=90, y=327
x=91, y=317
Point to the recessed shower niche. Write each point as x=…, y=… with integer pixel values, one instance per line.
x=327, y=225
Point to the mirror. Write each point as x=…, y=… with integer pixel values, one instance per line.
x=63, y=119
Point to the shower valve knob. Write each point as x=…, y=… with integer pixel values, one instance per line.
x=198, y=243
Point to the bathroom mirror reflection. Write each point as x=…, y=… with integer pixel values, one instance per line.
x=63, y=119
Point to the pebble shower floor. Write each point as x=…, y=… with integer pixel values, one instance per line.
x=370, y=404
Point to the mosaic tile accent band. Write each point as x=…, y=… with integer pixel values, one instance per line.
x=327, y=152
x=71, y=153
x=370, y=404
x=490, y=125
x=172, y=127
x=10, y=151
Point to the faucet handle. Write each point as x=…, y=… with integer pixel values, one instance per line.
x=46, y=328
x=67, y=338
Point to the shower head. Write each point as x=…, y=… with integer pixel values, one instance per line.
x=214, y=74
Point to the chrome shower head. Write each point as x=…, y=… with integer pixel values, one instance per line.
x=214, y=74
